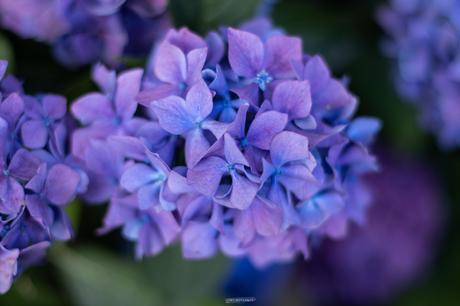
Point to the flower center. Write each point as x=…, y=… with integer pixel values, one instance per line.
x=263, y=78
x=244, y=142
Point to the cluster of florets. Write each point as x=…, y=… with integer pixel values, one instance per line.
x=361, y=270
x=425, y=41
x=85, y=31
x=241, y=143
x=37, y=177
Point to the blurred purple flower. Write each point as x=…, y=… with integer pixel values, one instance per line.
x=382, y=257
x=424, y=39
x=38, y=177
x=86, y=31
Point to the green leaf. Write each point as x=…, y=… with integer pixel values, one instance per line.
x=183, y=281
x=206, y=15
x=94, y=277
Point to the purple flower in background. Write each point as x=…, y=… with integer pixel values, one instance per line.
x=240, y=144
x=424, y=39
x=38, y=177
x=381, y=258
x=87, y=31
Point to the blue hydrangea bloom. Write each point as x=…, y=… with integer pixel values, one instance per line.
x=38, y=177
x=423, y=39
x=240, y=143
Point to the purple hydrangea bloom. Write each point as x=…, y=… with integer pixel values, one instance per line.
x=378, y=260
x=240, y=143
x=38, y=177
x=85, y=31
x=424, y=40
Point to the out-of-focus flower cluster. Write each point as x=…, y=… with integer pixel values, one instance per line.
x=398, y=242
x=241, y=143
x=85, y=31
x=37, y=178
x=425, y=42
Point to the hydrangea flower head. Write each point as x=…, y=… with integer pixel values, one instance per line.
x=424, y=41
x=85, y=31
x=38, y=177
x=252, y=149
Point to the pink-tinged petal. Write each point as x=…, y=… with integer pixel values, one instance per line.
x=280, y=52
x=170, y=64
x=196, y=146
x=82, y=138
x=264, y=127
x=185, y=39
x=335, y=96
x=230, y=245
x=244, y=226
x=178, y=183
x=206, y=175
x=158, y=163
x=24, y=165
x=267, y=219
x=167, y=224
x=106, y=79
x=237, y=127
x=172, y=115
x=198, y=241
x=11, y=108
x=128, y=86
x=243, y=191
x=8, y=267
x=292, y=98
x=11, y=196
x=232, y=153
x=249, y=93
x=37, y=207
x=101, y=158
x=245, y=52
x=61, y=184
x=199, y=101
x=136, y=176
x=34, y=134
x=160, y=91
x=317, y=73
x=92, y=107
x=54, y=106
x=299, y=180
x=217, y=128
x=289, y=146
x=37, y=182
x=195, y=62
x=128, y=146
